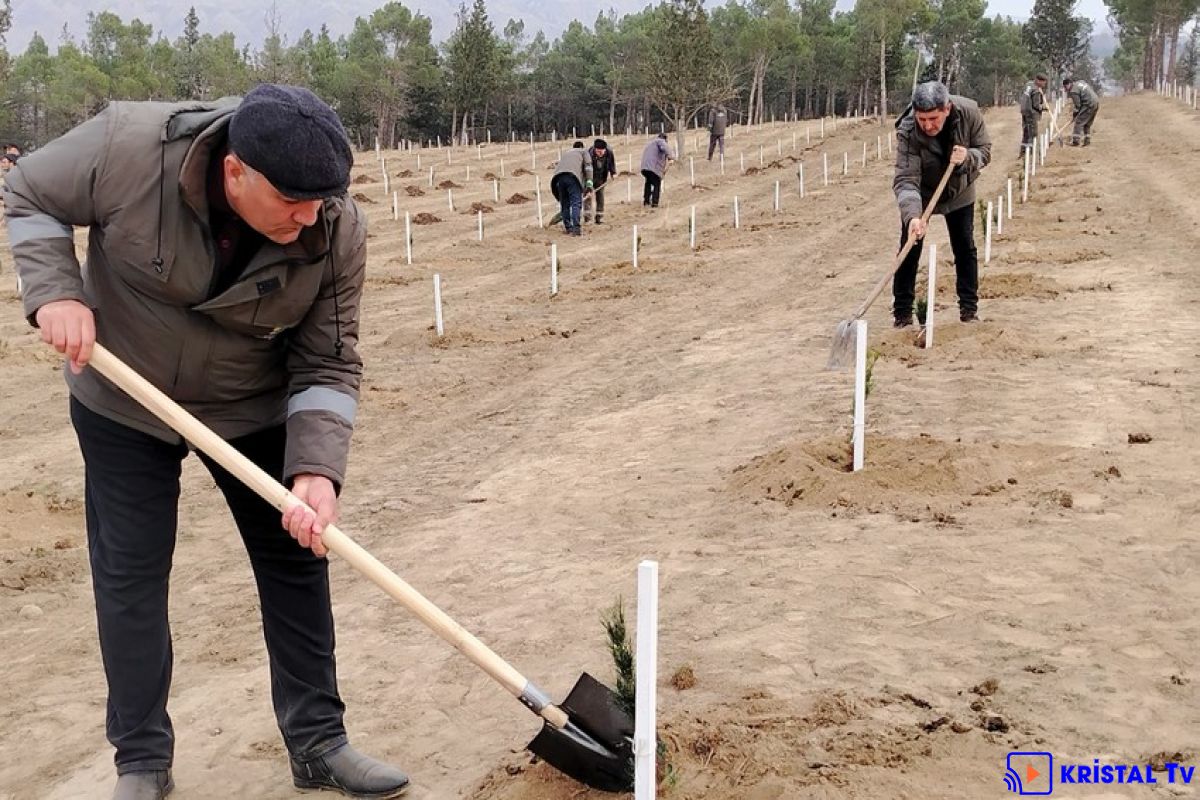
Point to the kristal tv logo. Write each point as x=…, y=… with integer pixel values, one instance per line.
x=1029, y=773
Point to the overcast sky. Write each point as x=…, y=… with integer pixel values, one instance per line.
x=245, y=18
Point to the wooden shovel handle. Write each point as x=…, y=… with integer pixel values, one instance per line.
x=271, y=490
x=908, y=245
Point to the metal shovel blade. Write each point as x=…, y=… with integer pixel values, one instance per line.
x=596, y=747
x=841, y=355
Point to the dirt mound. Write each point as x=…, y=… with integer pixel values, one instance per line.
x=448, y=184
x=995, y=285
x=759, y=748
x=363, y=179
x=414, y=191
x=752, y=171
x=521, y=171
x=955, y=341
x=916, y=478
x=404, y=173
x=477, y=207
x=425, y=218
x=359, y=197
x=517, y=199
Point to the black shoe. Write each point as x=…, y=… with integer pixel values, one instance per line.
x=1087, y=141
x=153, y=785
x=968, y=316
x=350, y=772
x=903, y=321
x=577, y=232
x=599, y=221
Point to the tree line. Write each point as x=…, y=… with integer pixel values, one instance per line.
x=666, y=65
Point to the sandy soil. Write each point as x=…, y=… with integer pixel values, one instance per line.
x=1008, y=571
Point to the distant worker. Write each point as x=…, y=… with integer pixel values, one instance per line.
x=937, y=130
x=655, y=159
x=1087, y=104
x=604, y=167
x=571, y=179
x=1033, y=105
x=717, y=121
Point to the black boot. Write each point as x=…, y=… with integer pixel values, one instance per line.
x=903, y=320
x=350, y=772
x=152, y=785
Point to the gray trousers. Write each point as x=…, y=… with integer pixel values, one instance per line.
x=1083, y=124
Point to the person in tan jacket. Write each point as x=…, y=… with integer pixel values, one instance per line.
x=225, y=264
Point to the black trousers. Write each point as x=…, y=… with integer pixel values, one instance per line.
x=715, y=140
x=132, y=497
x=961, y=226
x=652, y=189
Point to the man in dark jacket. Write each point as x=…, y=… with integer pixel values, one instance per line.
x=939, y=130
x=1087, y=104
x=1033, y=104
x=717, y=121
x=604, y=167
x=227, y=269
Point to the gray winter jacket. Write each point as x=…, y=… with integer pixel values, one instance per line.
x=656, y=155
x=921, y=160
x=279, y=344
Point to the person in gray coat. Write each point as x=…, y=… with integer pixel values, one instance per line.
x=225, y=264
x=655, y=158
x=716, y=132
x=571, y=179
x=937, y=131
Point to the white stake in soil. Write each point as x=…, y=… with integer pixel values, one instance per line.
x=825, y=169
x=987, y=242
x=692, y=168
x=407, y=237
x=776, y=197
x=635, y=247
x=864, y=155
x=1000, y=215
x=431, y=177
x=800, y=172
x=450, y=198
x=496, y=190
x=1025, y=180
x=395, y=206
x=930, y=295
x=742, y=161
x=538, y=179
x=629, y=190
x=553, y=270
x=860, y=392
x=437, y=304
x=737, y=219
x=480, y=213
x=645, y=737
x=845, y=164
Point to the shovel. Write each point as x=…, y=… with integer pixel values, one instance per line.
x=588, y=737
x=842, y=353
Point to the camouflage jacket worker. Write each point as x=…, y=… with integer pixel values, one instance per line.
x=1083, y=96
x=921, y=160
x=276, y=342
x=1033, y=102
